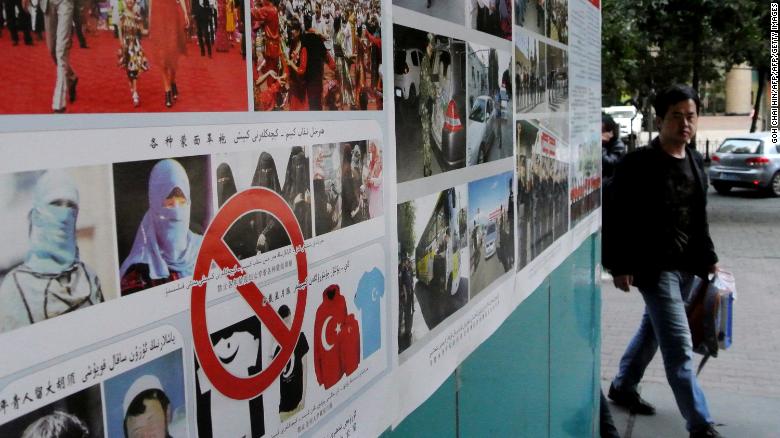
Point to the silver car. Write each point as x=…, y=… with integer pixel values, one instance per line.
x=750, y=161
x=482, y=130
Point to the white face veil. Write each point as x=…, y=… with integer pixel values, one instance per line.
x=53, y=247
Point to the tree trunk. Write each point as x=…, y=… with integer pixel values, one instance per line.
x=759, y=94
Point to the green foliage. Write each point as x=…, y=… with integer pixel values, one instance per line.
x=650, y=44
x=406, y=237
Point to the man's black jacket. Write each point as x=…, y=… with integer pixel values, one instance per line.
x=639, y=232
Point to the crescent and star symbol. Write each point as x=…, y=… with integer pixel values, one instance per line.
x=325, y=344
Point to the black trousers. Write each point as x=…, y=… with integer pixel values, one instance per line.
x=15, y=24
x=205, y=38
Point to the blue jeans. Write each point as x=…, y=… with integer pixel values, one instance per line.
x=664, y=324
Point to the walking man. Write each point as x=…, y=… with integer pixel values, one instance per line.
x=661, y=241
x=427, y=94
x=58, y=16
x=201, y=9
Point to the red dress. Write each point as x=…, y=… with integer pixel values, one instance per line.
x=265, y=100
x=298, y=100
x=221, y=43
x=267, y=17
x=167, y=32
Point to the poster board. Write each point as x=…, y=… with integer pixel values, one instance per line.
x=305, y=235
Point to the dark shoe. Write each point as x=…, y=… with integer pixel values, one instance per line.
x=72, y=90
x=168, y=102
x=15, y=42
x=174, y=91
x=707, y=432
x=631, y=400
x=59, y=111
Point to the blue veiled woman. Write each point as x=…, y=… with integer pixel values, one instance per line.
x=164, y=248
x=52, y=280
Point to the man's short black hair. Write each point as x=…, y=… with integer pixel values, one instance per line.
x=608, y=124
x=674, y=95
x=137, y=406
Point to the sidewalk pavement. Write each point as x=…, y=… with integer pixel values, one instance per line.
x=737, y=415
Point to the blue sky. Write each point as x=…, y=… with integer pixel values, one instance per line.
x=487, y=194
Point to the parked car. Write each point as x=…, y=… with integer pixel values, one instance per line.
x=491, y=233
x=628, y=118
x=483, y=130
x=448, y=112
x=750, y=161
x=406, y=63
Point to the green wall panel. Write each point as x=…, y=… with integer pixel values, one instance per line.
x=573, y=345
x=506, y=379
x=537, y=376
x=434, y=418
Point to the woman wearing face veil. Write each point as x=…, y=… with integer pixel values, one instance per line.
x=269, y=232
x=296, y=189
x=52, y=280
x=350, y=187
x=164, y=248
x=239, y=237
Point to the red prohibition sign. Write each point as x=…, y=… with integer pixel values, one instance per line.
x=214, y=249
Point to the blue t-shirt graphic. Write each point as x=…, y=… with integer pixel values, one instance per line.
x=370, y=290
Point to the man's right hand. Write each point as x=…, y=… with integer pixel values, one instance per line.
x=26, y=5
x=623, y=282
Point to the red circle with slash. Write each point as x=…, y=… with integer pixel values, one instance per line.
x=214, y=249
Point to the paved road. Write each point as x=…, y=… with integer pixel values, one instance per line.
x=408, y=133
x=505, y=150
x=487, y=270
x=745, y=227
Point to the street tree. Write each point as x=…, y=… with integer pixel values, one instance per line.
x=648, y=45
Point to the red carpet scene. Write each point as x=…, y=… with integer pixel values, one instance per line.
x=93, y=56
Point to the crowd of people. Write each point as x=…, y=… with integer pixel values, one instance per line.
x=532, y=88
x=168, y=25
x=260, y=232
x=521, y=8
x=493, y=17
x=558, y=85
x=316, y=55
x=543, y=203
x=557, y=18
x=347, y=185
x=529, y=87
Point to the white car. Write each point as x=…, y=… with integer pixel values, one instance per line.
x=491, y=233
x=482, y=130
x=407, y=73
x=628, y=118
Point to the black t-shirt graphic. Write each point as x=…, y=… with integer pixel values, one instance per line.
x=291, y=379
x=681, y=195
